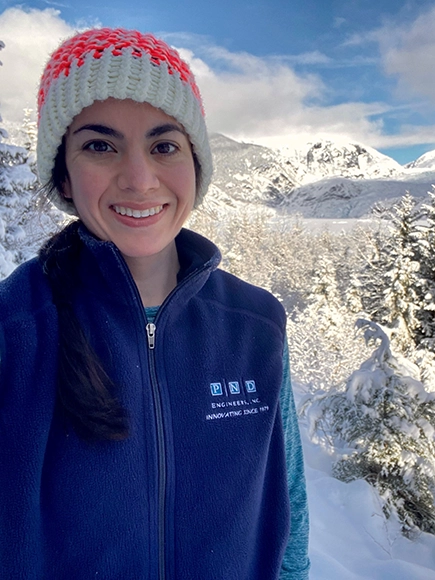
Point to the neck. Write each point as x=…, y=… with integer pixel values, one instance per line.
x=155, y=276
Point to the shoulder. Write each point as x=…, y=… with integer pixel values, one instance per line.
x=234, y=293
x=221, y=288
x=25, y=290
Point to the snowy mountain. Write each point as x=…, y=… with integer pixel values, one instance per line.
x=322, y=180
x=426, y=161
x=340, y=197
x=245, y=172
x=331, y=159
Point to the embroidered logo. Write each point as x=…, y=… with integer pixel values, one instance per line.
x=250, y=387
x=216, y=389
x=236, y=399
x=234, y=387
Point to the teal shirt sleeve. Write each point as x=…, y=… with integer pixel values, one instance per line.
x=296, y=563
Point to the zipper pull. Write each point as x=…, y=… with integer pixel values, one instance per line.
x=151, y=334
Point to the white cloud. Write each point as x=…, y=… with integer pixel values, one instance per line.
x=264, y=100
x=29, y=36
x=251, y=95
x=408, y=52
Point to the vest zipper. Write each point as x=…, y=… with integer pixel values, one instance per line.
x=151, y=332
x=161, y=446
x=151, y=335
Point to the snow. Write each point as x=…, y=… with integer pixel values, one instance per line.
x=342, y=197
x=350, y=539
x=325, y=158
x=327, y=179
x=426, y=161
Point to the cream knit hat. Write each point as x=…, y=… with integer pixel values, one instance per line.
x=123, y=64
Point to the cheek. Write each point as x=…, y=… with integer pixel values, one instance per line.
x=184, y=183
x=87, y=184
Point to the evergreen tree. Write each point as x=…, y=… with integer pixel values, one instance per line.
x=353, y=294
x=322, y=359
x=398, y=287
x=384, y=419
x=29, y=131
x=323, y=350
x=22, y=226
x=402, y=293
x=17, y=184
x=324, y=298
x=426, y=313
x=376, y=261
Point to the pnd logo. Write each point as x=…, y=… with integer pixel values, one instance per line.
x=232, y=388
x=250, y=387
x=216, y=389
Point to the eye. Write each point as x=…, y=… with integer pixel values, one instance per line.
x=98, y=147
x=164, y=148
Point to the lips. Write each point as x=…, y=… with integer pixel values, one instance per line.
x=136, y=213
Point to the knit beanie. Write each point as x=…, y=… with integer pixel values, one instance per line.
x=123, y=64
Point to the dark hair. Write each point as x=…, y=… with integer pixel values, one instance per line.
x=85, y=393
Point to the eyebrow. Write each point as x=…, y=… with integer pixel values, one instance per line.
x=100, y=129
x=154, y=132
x=167, y=128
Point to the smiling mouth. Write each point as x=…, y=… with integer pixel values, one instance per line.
x=136, y=213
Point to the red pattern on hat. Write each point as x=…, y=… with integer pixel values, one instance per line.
x=95, y=42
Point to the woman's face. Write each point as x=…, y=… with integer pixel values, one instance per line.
x=131, y=175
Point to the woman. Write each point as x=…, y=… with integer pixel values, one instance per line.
x=140, y=420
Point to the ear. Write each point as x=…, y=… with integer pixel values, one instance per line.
x=66, y=189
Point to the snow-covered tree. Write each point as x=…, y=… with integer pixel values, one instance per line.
x=10, y=158
x=425, y=361
x=322, y=359
x=375, y=262
x=17, y=185
x=391, y=278
x=3, y=133
x=324, y=299
x=426, y=313
x=29, y=131
x=402, y=293
x=22, y=226
x=353, y=294
x=382, y=425
x=260, y=247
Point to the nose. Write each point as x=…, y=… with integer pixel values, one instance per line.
x=138, y=173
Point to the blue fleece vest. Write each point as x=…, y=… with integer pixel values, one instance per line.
x=198, y=491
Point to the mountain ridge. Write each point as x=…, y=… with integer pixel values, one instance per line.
x=324, y=178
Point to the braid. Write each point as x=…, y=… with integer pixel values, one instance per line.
x=84, y=390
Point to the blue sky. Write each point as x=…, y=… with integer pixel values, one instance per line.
x=279, y=72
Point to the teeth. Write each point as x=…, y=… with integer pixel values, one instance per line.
x=136, y=213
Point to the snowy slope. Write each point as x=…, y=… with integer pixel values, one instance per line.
x=250, y=173
x=332, y=158
x=340, y=197
x=349, y=537
x=322, y=180
x=426, y=161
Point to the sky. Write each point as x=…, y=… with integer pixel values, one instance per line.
x=276, y=72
